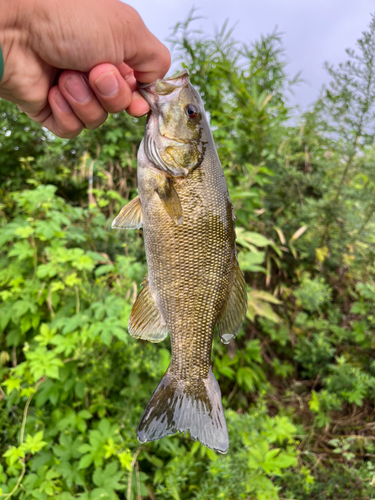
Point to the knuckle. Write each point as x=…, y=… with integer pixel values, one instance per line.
x=38, y=116
x=116, y=107
x=68, y=134
x=96, y=123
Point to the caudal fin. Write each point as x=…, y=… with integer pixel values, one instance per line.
x=193, y=406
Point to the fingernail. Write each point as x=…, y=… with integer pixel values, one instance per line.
x=129, y=75
x=62, y=103
x=107, y=84
x=78, y=89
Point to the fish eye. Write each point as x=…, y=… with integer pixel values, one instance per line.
x=192, y=111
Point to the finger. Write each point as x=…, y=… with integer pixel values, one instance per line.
x=112, y=89
x=77, y=92
x=137, y=107
x=58, y=117
x=63, y=119
x=120, y=86
x=128, y=75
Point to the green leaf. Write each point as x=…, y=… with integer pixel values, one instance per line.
x=256, y=239
x=109, y=478
x=13, y=454
x=12, y=384
x=249, y=261
x=35, y=443
x=22, y=250
x=85, y=461
x=258, y=305
x=24, y=232
x=314, y=402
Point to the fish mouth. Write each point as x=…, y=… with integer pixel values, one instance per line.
x=182, y=74
x=149, y=91
x=157, y=93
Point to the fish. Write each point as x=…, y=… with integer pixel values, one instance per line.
x=194, y=282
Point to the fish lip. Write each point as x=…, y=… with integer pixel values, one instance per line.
x=143, y=85
x=145, y=89
x=182, y=73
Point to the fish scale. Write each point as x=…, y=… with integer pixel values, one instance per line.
x=194, y=281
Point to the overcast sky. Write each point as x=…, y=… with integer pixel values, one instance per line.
x=315, y=30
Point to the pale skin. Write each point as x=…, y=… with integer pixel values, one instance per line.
x=68, y=63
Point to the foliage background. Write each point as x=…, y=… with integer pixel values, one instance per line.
x=298, y=382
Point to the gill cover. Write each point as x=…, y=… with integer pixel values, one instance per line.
x=175, y=138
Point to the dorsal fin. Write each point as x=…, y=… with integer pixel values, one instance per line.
x=130, y=216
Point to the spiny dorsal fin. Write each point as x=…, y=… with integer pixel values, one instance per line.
x=171, y=201
x=130, y=216
x=145, y=320
x=233, y=314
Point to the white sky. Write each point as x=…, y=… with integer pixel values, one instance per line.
x=314, y=30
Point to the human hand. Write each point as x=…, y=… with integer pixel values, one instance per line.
x=67, y=64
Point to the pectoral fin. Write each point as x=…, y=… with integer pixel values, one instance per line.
x=130, y=216
x=145, y=320
x=233, y=314
x=171, y=201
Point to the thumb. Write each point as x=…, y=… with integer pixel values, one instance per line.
x=149, y=58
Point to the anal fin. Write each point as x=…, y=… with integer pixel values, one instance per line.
x=130, y=216
x=171, y=201
x=145, y=320
x=233, y=314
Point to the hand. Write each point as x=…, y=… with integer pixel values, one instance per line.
x=68, y=63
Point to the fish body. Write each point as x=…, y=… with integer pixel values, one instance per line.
x=194, y=281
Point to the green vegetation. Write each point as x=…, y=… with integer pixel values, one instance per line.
x=298, y=384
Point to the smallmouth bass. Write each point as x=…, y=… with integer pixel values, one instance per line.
x=194, y=281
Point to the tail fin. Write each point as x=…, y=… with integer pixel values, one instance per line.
x=193, y=406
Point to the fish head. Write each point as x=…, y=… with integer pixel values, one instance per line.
x=177, y=130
